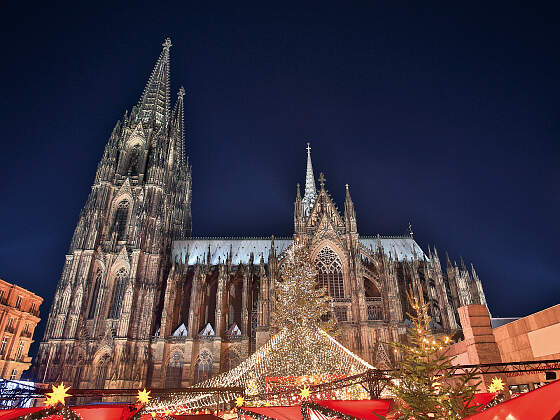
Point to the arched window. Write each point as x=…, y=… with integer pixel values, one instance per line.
x=174, y=371
x=133, y=161
x=101, y=372
x=94, y=294
x=120, y=219
x=203, y=367
x=118, y=294
x=329, y=270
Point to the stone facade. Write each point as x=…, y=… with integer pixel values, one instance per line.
x=142, y=303
x=19, y=310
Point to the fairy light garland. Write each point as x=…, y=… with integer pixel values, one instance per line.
x=302, y=347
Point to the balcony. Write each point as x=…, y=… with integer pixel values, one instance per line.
x=26, y=334
x=10, y=329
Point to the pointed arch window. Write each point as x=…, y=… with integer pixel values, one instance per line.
x=120, y=220
x=118, y=294
x=95, y=294
x=203, y=367
x=133, y=161
x=101, y=373
x=329, y=276
x=174, y=371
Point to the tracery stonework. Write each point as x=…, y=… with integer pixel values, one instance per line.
x=142, y=303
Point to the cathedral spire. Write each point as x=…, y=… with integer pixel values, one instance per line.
x=178, y=124
x=155, y=102
x=349, y=212
x=310, y=194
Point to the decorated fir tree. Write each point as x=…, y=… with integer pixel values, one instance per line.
x=298, y=299
x=423, y=386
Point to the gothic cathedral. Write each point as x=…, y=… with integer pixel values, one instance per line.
x=142, y=303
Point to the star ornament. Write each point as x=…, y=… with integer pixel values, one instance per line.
x=239, y=401
x=57, y=395
x=496, y=385
x=143, y=396
x=305, y=392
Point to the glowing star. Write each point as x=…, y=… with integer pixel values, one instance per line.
x=305, y=392
x=496, y=385
x=167, y=412
x=57, y=395
x=143, y=396
x=267, y=404
x=239, y=401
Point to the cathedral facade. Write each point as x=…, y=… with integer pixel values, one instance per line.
x=140, y=302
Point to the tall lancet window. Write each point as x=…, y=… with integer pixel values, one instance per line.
x=329, y=276
x=120, y=219
x=203, y=367
x=133, y=161
x=94, y=295
x=118, y=294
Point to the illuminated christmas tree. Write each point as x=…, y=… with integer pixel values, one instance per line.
x=424, y=386
x=301, y=347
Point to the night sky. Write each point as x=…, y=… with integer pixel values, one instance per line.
x=445, y=116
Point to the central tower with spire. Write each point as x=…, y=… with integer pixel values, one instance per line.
x=107, y=300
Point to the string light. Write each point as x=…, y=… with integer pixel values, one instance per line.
x=302, y=347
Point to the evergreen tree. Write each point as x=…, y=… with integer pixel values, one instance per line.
x=423, y=385
x=298, y=300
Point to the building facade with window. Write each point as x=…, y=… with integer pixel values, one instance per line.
x=142, y=303
x=19, y=315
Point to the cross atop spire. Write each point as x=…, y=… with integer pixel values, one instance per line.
x=310, y=194
x=322, y=180
x=154, y=104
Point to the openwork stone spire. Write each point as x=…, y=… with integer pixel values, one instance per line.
x=178, y=124
x=154, y=104
x=310, y=194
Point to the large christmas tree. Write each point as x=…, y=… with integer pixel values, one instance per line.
x=423, y=385
x=301, y=346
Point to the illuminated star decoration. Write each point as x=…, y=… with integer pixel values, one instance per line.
x=496, y=385
x=267, y=404
x=57, y=395
x=143, y=396
x=305, y=392
x=239, y=401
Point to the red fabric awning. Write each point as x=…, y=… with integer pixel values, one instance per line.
x=542, y=404
x=362, y=409
x=280, y=413
x=88, y=412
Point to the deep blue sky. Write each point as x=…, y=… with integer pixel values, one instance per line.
x=444, y=115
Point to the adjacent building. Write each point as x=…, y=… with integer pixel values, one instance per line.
x=140, y=302
x=19, y=310
x=533, y=338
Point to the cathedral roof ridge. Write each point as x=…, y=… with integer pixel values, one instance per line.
x=241, y=238
x=386, y=237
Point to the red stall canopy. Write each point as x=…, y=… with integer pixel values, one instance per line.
x=542, y=404
x=87, y=412
x=362, y=409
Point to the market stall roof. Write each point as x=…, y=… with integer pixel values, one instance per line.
x=360, y=409
x=542, y=403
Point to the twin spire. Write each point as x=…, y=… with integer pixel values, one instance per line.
x=155, y=102
x=154, y=106
x=310, y=194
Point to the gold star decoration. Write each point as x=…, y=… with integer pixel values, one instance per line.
x=57, y=395
x=167, y=412
x=305, y=392
x=267, y=404
x=143, y=396
x=239, y=401
x=496, y=385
